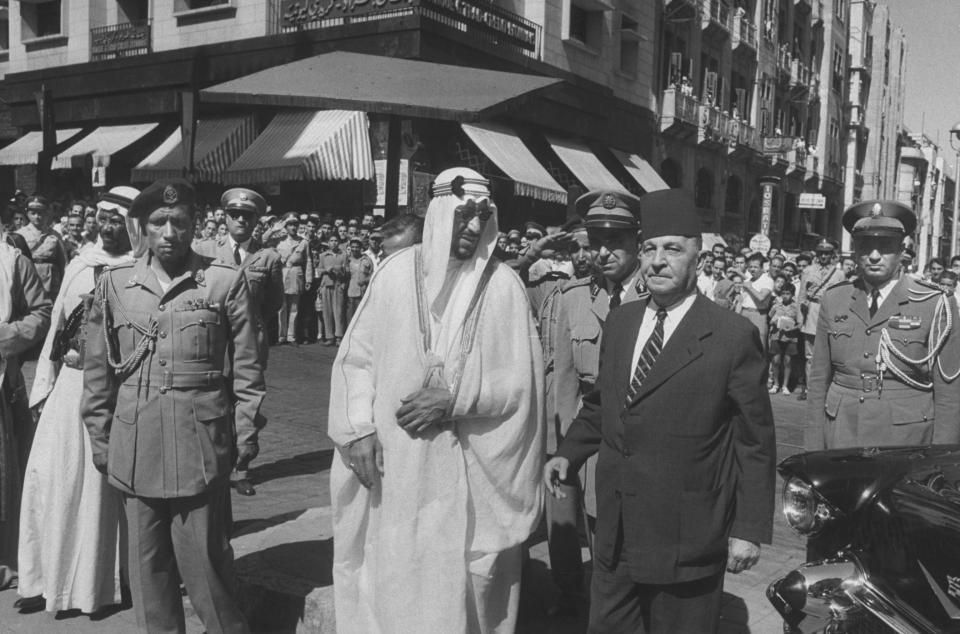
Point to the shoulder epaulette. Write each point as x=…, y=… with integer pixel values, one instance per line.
x=120, y=265
x=226, y=265
x=927, y=285
x=574, y=283
x=839, y=284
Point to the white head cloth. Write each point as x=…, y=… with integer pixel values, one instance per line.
x=119, y=199
x=447, y=279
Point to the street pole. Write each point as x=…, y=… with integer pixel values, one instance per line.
x=956, y=200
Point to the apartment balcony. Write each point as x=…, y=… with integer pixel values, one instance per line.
x=784, y=62
x=744, y=140
x=744, y=34
x=813, y=166
x=715, y=18
x=799, y=75
x=813, y=90
x=786, y=152
x=714, y=129
x=481, y=21
x=679, y=113
x=674, y=7
x=120, y=40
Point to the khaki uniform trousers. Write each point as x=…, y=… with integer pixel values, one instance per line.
x=182, y=538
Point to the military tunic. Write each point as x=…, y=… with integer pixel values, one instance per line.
x=167, y=419
x=849, y=404
x=814, y=283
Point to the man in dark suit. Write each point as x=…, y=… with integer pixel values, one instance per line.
x=682, y=421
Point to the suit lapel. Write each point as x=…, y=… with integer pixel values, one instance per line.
x=679, y=351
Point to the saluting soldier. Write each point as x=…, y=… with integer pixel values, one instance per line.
x=164, y=424
x=814, y=282
x=264, y=271
x=875, y=379
x=611, y=222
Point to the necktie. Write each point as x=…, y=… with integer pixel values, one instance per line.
x=615, y=295
x=874, y=302
x=648, y=356
x=236, y=254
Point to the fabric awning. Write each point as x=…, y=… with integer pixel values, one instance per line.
x=307, y=145
x=383, y=85
x=219, y=142
x=102, y=143
x=24, y=150
x=502, y=146
x=584, y=164
x=641, y=171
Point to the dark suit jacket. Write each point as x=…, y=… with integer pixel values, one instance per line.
x=690, y=462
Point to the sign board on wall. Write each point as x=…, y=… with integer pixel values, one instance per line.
x=98, y=177
x=812, y=201
x=380, y=167
x=760, y=243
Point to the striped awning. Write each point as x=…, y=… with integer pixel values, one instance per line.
x=307, y=145
x=641, y=171
x=24, y=150
x=218, y=144
x=101, y=144
x=502, y=146
x=584, y=164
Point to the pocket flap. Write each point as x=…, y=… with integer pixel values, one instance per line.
x=585, y=330
x=210, y=406
x=832, y=403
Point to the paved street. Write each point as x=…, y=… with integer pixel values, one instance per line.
x=282, y=535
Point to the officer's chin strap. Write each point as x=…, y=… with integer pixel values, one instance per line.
x=936, y=340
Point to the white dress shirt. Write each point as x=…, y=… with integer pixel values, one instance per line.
x=243, y=247
x=675, y=314
x=884, y=291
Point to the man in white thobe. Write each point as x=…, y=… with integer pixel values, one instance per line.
x=436, y=407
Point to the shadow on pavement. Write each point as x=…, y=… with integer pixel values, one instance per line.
x=275, y=583
x=302, y=464
x=246, y=527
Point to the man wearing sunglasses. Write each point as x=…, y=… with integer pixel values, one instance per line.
x=436, y=409
x=264, y=271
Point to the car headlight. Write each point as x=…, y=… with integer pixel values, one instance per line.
x=806, y=512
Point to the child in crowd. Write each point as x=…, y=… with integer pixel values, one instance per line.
x=784, y=332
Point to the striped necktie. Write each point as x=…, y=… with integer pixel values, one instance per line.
x=648, y=356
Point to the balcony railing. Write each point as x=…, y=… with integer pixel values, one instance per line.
x=120, y=40
x=479, y=20
x=793, y=150
x=799, y=74
x=715, y=13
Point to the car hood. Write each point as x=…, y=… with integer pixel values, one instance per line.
x=851, y=478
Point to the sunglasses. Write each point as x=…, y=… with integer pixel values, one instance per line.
x=473, y=209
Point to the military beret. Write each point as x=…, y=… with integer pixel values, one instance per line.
x=244, y=199
x=609, y=209
x=37, y=202
x=669, y=212
x=170, y=192
x=824, y=245
x=879, y=218
x=534, y=227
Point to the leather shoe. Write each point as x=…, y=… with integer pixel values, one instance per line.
x=30, y=604
x=244, y=487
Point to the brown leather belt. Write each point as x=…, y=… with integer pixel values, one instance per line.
x=182, y=380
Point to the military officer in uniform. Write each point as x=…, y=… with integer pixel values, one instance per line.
x=875, y=380
x=814, y=282
x=611, y=221
x=164, y=424
x=264, y=271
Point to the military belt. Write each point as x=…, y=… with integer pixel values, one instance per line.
x=182, y=380
x=868, y=382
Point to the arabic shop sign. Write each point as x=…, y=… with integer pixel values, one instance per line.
x=120, y=38
x=299, y=13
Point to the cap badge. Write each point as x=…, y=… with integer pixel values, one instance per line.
x=609, y=202
x=876, y=210
x=170, y=195
x=243, y=196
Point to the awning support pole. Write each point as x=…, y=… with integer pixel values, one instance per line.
x=44, y=99
x=392, y=187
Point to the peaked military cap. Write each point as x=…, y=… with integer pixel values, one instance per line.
x=243, y=199
x=879, y=218
x=165, y=192
x=37, y=202
x=535, y=227
x=609, y=209
x=825, y=245
x=669, y=212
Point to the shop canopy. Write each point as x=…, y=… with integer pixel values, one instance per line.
x=219, y=142
x=382, y=85
x=641, y=171
x=584, y=164
x=502, y=146
x=307, y=145
x=101, y=144
x=24, y=150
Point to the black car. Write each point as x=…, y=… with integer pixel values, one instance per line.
x=883, y=529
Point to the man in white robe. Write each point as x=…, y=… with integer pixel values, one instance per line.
x=436, y=407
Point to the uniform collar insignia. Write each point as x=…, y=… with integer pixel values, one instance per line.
x=839, y=318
